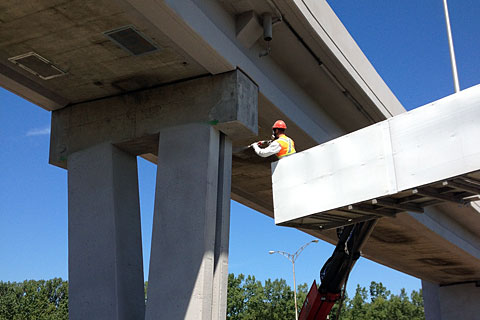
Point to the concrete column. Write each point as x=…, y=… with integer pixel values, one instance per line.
x=453, y=302
x=431, y=301
x=104, y=235
x=188, y=263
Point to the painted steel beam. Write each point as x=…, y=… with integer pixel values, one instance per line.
x=413, y=150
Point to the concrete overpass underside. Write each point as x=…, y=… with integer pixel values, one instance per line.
x=69, y=55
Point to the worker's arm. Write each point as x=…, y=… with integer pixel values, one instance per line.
x=272, y=149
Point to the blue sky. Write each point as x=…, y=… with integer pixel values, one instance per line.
x=405, y=41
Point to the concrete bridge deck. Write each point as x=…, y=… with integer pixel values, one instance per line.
x=63, y=55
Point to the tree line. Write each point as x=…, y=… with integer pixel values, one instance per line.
x=248, y=299
x=31, y=299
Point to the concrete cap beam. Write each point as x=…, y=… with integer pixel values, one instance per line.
x=132, y=121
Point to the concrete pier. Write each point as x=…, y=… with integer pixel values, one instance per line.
x=452, y=302
x=190, y=126
x=191, y=200
x=104, y=236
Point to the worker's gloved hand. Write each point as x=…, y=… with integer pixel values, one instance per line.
x=255, y=146
x=264, y=143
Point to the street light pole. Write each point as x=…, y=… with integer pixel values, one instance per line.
x=292, y=258
x=295, y=290
x=456, y=84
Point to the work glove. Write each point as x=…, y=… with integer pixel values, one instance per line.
x=264, y=143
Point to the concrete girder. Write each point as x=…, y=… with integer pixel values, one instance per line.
x=132, y=121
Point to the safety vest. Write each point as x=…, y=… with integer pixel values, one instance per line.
x=288, y=146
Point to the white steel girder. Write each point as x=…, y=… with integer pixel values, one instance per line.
x=419, y=158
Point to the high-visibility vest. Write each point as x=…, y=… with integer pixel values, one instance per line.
x=287, y=144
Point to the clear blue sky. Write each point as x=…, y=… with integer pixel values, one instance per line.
x=405, y=41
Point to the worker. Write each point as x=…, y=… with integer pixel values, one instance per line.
x=281, y=145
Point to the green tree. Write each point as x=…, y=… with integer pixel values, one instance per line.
x=383, y=305
x=145, y=289
x=8, y=300
x=254, y=299
x=42, y=300
x=418, y=312
x=378, y=290
x=402, y=308
x=235, y=297
x=248, y=299
x=378, y=309
x=358, y=305
x=279, y=300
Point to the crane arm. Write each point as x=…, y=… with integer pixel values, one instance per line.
x=334, y=273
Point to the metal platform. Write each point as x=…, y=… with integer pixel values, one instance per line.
x=418, y=159
x=460, y=190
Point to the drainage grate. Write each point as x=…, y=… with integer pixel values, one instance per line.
x=131, y=40
x=37, y=65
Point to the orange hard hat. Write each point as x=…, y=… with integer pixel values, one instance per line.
x=279, y=124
